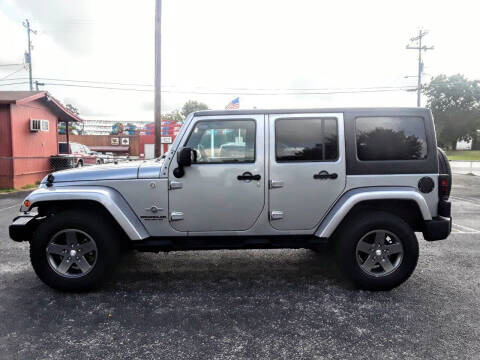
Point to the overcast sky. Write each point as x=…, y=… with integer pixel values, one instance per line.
x=216, y=46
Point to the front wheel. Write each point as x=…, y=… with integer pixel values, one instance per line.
x=74, y=251
x=377, y=250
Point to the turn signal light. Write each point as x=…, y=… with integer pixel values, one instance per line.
x=27, y=204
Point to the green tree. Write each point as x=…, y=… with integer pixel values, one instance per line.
x=191, y=106
x=455, y=104
x=72, y=109
x=173, y=116
x=73, y=127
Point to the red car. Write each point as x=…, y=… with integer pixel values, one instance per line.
x=81, y=153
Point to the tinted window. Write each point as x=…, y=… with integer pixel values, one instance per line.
x=223, y=141
x=391, y=138
x=62, y=148
x=306, y=139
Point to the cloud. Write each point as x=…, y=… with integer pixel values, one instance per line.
x=68, y=23
x=224, y=44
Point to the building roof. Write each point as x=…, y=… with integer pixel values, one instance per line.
x=23, y=97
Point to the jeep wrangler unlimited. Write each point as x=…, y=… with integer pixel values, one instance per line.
x=362, y=180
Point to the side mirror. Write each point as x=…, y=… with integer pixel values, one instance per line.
x=184, y=158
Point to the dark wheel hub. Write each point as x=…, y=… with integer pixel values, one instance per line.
x=379, y=253
x=72, y=253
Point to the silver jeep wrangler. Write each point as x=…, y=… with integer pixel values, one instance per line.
x=362, y=181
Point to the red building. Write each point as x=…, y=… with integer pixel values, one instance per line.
x=28, y=135
x=170, y=130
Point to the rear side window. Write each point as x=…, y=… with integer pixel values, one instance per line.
x=390, y=138
x=306, y=139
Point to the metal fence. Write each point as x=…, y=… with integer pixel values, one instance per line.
x=16, y=172
x=466, y=167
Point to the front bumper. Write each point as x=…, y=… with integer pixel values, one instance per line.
x=22, y=228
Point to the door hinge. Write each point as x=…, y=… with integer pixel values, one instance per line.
x=176, y=215
x=274, y=184
x=276, y=215
x=175, y=185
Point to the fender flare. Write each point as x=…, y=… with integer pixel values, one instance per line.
x=353, y=197
x=109, y=198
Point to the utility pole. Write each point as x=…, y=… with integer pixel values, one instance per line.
x=158, y=82
x=37, y=84
x=419, y=47
x=28, y=54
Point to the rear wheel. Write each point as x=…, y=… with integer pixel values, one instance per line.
x=377, y=250
x=74, y=251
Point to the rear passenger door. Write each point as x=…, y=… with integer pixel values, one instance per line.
x=306, y=168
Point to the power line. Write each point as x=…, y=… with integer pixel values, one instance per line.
x=210, y=89
x=340, y=91
x=16, y=83
x=96, y=82
x=16, y=71
x=419, y=47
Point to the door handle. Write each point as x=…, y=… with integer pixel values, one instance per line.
x=248, y=176
x=322, y=175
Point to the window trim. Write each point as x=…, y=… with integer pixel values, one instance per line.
x=230, y=162
x=308, y=118
x=425, y=139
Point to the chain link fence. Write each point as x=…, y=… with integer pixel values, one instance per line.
x=17, y=172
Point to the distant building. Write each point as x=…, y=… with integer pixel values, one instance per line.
x=104, y=126
x=28, y=135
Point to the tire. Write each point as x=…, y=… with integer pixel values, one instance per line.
x=79, y=164
x=88, y=228
x=356, y=234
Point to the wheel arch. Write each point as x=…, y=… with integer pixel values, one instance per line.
x=404, y=202
x=91, y=198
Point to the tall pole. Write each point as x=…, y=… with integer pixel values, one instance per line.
x=421, y=34
x=419, y=76
x=158, y=82
x=26, y=23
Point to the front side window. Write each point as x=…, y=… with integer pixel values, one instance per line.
x=223, y=141
x=390, y=138
x=306, y=139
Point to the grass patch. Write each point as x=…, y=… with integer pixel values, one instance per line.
x=29, y=186
x=463, y=155
x=10, y=190
x=6, y=190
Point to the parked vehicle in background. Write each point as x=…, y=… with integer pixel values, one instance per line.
x=102, y=158
x=363, y=181
x=81, y=153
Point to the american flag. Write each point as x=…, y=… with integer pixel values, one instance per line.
x=234, y=104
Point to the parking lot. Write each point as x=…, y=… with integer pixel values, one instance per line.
x=254, y=304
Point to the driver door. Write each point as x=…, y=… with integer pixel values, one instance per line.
x=224, y=190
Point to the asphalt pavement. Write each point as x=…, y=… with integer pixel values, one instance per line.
x=249, y=304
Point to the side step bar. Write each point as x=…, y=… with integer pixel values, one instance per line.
x=157, y=244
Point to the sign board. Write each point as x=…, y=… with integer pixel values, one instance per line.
x=114, y=141
x=125, y=141
x=166, y=139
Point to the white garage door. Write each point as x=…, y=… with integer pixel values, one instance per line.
x=149, y=151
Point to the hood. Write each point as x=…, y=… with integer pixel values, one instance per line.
x=127, y=170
